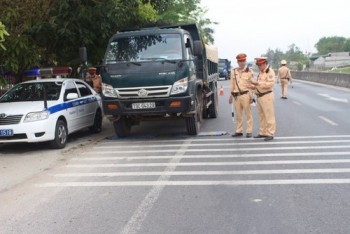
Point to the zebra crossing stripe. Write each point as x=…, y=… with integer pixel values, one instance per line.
x=196, y=183
x=313, y=154
x=222, y=144
x=241, y=163
x=192, y=173
x=223, y=149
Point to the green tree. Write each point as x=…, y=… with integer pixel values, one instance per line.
x=3, y=33
x=330, y=44
x=22, y=51
x=346, y=45
x=292, y=54
x=49, y=32
x=186, y=12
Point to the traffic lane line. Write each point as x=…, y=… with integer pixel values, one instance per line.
x=328, y=121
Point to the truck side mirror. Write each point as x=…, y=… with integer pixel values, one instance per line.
x=83, y=54
x=188, y=44
x=197, y=48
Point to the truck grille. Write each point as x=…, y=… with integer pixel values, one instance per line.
x=144, y=92
x=11, y=119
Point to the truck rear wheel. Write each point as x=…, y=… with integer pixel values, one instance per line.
x=122, y=127
x=213, y=108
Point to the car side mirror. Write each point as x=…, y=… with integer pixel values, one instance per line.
x=72, y=96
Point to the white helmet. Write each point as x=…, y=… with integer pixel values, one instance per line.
x=283, y=62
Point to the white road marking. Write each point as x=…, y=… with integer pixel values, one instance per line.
x=220, y=144
x=135, y=222
x=190, y=183
x=192, y=164
x=199, y=139
x=347, y=153
x=191, y=173
x=329, y=97
x=328, y=120
x=227, y=149
x=297, y=103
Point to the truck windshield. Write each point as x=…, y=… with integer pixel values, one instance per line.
x=33, y=92
x=144, y=48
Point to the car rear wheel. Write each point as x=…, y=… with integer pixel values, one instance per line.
x=97, y=127
x=61, y=135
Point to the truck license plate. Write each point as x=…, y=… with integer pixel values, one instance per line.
x=143, y=105
x=6, y=132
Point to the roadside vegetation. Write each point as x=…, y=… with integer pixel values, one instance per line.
x=43, y=33
x=301, y=60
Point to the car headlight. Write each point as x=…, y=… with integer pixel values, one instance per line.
x=36, y=116
x=179, y=86
x=108, y=90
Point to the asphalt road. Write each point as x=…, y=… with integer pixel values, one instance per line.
x=162, y=181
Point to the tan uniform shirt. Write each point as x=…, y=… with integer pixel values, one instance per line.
x=243, y=79
x=266, y=81
x=284, y=72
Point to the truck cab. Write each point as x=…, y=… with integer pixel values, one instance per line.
x=157, y=73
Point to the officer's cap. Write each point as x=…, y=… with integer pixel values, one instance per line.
x=241, y=57
x=283, y=62
x=92, y=70
x=260, y=60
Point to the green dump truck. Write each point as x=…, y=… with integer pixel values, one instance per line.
x=159, y=73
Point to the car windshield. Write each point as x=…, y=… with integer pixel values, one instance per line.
x=144, y=48
x=33, y=92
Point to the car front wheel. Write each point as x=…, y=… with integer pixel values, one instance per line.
x=61, y=135
x=97, y=127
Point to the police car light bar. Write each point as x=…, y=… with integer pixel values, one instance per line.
x=56, y=71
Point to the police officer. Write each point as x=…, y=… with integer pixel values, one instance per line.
x=284, y=76
x=94, y=79
x=263, y=88
x=240, y=78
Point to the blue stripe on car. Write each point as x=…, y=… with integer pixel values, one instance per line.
x=67, y=105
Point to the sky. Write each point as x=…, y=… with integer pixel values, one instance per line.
x=254, y=26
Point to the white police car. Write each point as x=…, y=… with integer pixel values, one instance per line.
x=48, y=110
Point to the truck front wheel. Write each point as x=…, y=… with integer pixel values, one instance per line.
x=122, y=127
x=193, y=122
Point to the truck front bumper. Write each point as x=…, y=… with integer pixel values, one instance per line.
x=167, y=105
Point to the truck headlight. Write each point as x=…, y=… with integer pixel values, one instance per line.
x=108, y=90
x=36, y=116
x=179, y=86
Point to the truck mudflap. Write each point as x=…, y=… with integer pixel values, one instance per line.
x=117, y=107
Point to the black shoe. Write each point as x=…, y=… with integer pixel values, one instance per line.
x=248, y=135
x=260, y=136
x=268, y=138
x=237, y=134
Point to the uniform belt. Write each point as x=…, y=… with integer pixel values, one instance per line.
x=263, y=94
x=284, y=78
x=239, y=93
